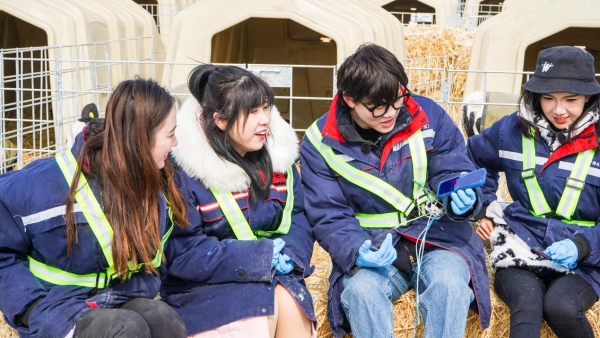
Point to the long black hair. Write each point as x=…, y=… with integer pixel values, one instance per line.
x=230, y=91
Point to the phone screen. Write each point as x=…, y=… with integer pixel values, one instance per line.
x=447, y=187
x=471, y=180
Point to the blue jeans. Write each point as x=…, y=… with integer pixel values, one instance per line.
x=444, y=291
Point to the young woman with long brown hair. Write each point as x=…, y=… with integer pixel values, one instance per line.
x=82, y=235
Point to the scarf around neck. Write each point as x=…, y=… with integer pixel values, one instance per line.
x=555, y=138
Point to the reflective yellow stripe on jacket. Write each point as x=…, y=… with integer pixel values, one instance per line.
x=92, y=211
x=570, y=196
x=242, y=230
x=377, y=186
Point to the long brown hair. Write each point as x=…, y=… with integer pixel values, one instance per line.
x=118, y=156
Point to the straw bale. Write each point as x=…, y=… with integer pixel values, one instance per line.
x=36, y=134
x=6, y=331
x=430, y=41
x=404, y=310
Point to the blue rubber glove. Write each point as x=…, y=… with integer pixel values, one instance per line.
x=285, y=265
x=381, y=258
x=278, y=245
x=462, y=200
x=564, y=253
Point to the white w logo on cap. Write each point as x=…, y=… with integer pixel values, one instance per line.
x=546, y=66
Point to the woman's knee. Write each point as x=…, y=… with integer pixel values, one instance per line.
x=159, y=316
x=150, y=308
x=112, y=323
x=520, y=289
x=561, y=307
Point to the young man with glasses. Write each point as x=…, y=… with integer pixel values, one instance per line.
x=370, y=167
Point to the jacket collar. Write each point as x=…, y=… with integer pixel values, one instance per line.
x=556, y=138
x=419, y=120
x=585, y=140
x=197, y=158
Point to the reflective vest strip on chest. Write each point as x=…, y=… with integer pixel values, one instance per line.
x=236, y=219
x=377, y=186
x=101, y=228
x=572, y=192
x=91, y=209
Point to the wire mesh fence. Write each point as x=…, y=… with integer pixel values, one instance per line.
x=43, y=89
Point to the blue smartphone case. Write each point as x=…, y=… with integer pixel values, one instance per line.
x=473, y=179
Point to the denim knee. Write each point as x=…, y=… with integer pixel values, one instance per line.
x=447, y=273
x=366, y=284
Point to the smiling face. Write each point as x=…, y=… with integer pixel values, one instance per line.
x=164, y=139
x=248, y=133
x=562, y=109
x=364, y=113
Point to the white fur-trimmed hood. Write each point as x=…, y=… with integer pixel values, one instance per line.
x=197, y=158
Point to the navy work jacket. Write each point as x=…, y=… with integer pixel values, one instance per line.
x=499, y=149
x=32, y=221
x=331, y=201
x=226, y=279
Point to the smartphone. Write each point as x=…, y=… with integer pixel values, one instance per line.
x=473, y=179
x=542, y=254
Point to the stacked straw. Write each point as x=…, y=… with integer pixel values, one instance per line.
x=7, y=331
x=426, y=42
x=423, y=42
x=404, y=311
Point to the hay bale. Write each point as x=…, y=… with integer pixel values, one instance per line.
x=422, y=45
x=6, y=331
x=430, y=41
x=404, y=310
x=37, y=128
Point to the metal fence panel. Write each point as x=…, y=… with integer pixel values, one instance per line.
x=42, y=90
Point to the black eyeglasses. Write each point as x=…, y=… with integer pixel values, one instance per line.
x=399, y=102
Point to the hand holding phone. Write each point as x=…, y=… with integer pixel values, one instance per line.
x=462, y=201
x=473, y=179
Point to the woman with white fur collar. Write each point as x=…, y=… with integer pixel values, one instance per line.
x=546, y=243
x=237, y=156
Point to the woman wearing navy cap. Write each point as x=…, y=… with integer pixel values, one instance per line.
x=546, y=243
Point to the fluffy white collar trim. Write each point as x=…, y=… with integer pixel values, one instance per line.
x=197, y=158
